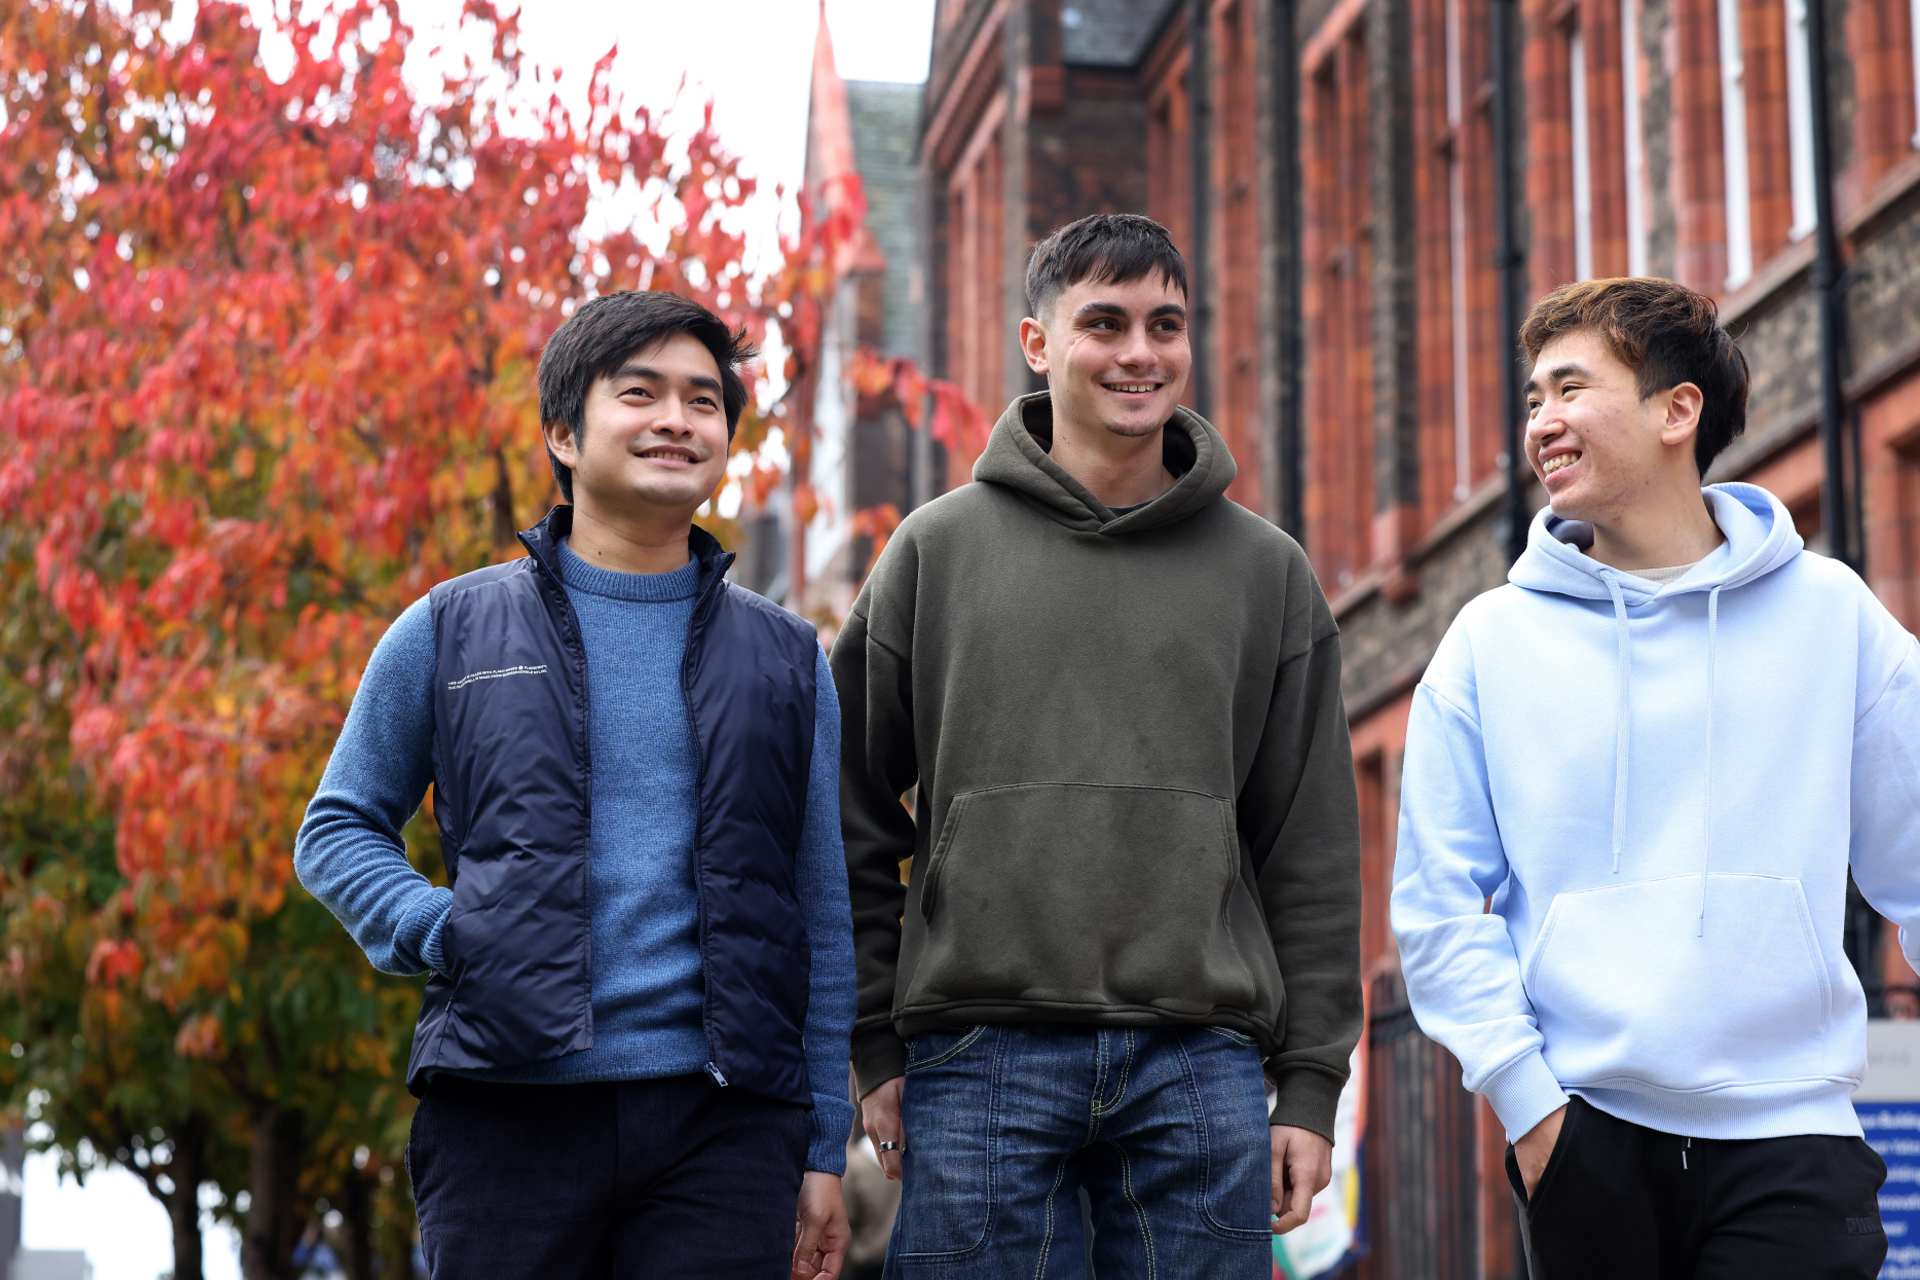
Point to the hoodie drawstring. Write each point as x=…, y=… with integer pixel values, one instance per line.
x=1706, y=854
x=1622, y=722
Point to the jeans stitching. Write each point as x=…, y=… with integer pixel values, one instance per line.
x=1233, y=1037
x=1126, y=1071
x=1046, y=1240
x=1139, y=1210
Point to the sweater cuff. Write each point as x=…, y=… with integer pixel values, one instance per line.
x=1524, y=1093
x=832, y=1124
x=879, y=1054
x=1306, y=1100
x=418, y=937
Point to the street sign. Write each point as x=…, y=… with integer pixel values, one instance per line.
x=1888, y=1102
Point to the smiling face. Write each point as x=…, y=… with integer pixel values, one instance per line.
x=1597, y=446
x=653, y=433
x=1115, y=356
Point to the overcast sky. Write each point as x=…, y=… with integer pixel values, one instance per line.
x=753, y=58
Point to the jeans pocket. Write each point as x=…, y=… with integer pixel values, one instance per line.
x=934, y=1048
x=1231, y=1036
x=948, y=1168
x=1228, y=1093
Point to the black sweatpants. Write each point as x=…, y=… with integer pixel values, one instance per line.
x=674, y=1177
x=1622, y=1202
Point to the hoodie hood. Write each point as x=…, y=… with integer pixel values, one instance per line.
x=1759, y=534
x=1017, y=457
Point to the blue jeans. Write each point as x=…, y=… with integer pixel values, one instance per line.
x=1165, y=1128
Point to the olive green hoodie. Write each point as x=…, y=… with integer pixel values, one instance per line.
x=1134, y=799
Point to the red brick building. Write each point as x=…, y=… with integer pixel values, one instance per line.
x=1370, y=192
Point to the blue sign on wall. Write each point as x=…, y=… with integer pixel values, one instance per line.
x=1893, y=1129
x=1888, y=1102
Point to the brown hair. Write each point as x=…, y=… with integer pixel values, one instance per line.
x=1666, y=333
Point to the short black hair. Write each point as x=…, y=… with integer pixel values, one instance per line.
x=1110, y=248
x=606, y=330
x=1667, y=334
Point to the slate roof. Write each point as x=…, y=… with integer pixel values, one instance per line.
x=1110, y=33
x=885, y=121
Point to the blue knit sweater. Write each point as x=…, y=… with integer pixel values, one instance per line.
x=647, y=982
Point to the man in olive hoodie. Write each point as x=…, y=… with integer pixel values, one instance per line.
x=1134, y=882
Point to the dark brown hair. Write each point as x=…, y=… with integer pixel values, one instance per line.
x=1666, y=333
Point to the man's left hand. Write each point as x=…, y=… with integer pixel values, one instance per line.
x=820, y=1230
x=1302, y=1167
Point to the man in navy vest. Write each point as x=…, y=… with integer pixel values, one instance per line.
x=632, y=1051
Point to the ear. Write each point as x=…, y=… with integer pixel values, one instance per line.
x=1682, y=423
x=1033, y=345
x=563, y=441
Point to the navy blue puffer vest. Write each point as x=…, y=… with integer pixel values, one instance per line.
x=512, y=773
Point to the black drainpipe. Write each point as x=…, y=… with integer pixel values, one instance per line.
x=1200, y=104
x=1838, y=514
x=1284, y=48
x=1511, y=261
x=1829, y=285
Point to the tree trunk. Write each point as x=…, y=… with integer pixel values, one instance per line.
x=183, y=1206
x=356, y=1206
x=273, y=1208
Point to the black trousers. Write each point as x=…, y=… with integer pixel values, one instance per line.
x=1622, y=1202
x=674, y=1177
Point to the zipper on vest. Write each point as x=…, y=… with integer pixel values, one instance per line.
x=699, y=863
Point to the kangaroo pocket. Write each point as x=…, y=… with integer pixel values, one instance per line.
x=1081, y=894
x=1629, y=989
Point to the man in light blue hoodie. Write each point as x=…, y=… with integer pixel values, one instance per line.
x=1636, y=778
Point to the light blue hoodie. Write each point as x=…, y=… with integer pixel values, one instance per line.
x=1659, y=790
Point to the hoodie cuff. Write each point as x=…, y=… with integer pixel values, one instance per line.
x=1306, y=1100
x=832, y=1125
x=1523, y=1094
x=879, y=1054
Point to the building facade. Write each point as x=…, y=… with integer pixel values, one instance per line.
x=1370, y=192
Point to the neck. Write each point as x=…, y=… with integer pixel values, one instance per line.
x=639, y=542
x=1657, y=536
x=1119, y=471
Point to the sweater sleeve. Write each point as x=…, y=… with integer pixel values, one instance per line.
x=1462, y=974
x=822, y=878
x=1300, y=817
x=877, y=768
x=1886, y=783
x=349, y=852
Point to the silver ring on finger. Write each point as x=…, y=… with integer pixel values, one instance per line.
x=890, y=1146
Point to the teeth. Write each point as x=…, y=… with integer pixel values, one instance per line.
x=1556, y=463
x=1131, y=386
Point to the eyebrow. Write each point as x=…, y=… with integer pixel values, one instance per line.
x=1558, y=374
x=1091, y=309
x=627, y=371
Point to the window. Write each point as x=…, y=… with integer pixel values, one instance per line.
x=1733, y=140
x=1799, y=119
x=1635, y=147
x=1582, y=157
x=1338, y=261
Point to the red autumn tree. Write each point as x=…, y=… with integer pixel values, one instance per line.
x=267, y=356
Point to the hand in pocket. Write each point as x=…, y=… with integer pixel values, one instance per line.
x=1535, y=1149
